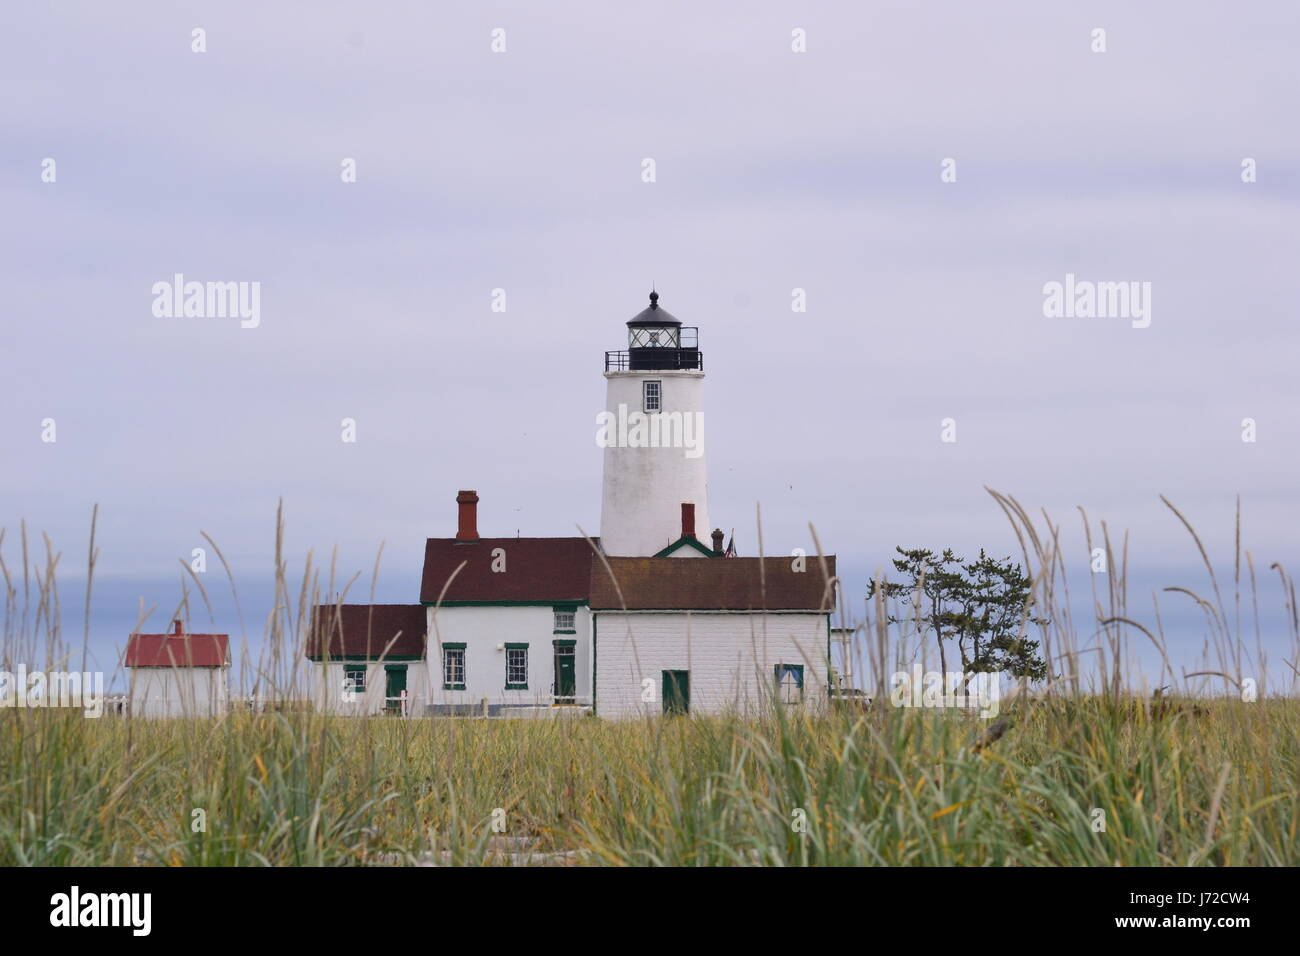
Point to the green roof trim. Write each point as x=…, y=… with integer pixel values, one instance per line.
x=684, y=541
x=566, y=602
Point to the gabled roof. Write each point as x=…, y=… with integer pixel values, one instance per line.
x=536, y=570
x=686, y=541
x=177, y=650
x=364, y=631
x=728, y=584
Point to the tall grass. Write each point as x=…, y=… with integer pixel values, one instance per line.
x=894, y=787
x=1086, y=771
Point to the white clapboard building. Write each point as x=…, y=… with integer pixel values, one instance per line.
x=178, y=674
x=368, y=658
x=617, y=625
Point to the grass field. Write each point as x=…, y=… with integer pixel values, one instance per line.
x=1218, y=784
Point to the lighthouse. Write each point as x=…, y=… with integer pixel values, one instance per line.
x=654, y=438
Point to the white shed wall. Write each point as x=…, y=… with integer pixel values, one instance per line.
x=179, y=691
x=727, y=655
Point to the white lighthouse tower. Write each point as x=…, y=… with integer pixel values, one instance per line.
x=654, y=445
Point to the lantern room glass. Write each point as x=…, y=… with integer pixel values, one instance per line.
x=666, y=337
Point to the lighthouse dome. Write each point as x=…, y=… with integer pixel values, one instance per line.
x=654, y=317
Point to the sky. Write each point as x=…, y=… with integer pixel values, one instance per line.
x=522, y=169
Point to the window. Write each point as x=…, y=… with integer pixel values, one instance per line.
x=565, y=620
x=354, y=681
x=453, y=667
x=665, y=338
x=651, y=394
x=789, y=683
x=516, y=667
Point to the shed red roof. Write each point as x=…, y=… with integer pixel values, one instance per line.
x=712, y=584
x=177, y=650
x=366, y=630
x=535, y=570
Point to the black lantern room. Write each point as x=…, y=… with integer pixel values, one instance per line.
x=657, y=342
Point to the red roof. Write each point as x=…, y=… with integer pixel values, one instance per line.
x=712, y=584
x=369, y=631
x=177, y=650
x=536, y=570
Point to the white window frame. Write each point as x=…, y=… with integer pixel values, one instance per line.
x=354, y=681
x=790, y=683
x=652, y=399
x=449, y=654
x=512, y=669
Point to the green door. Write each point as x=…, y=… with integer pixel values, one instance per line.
x=566, y=684
x=677, y=692
x=394, y=686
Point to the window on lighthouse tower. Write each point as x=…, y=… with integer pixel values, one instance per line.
x=651, y=393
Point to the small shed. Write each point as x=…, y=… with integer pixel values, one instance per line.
x=178, y=674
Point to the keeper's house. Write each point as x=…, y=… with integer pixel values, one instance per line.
x=178, y=674
x=523, y=627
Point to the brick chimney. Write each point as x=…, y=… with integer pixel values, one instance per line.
x=688, y=519
x=717, y=540
x=468, y=516
x=176, y=626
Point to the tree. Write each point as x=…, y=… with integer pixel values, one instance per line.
x=983, y=606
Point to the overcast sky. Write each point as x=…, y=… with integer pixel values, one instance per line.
x=522, y=170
